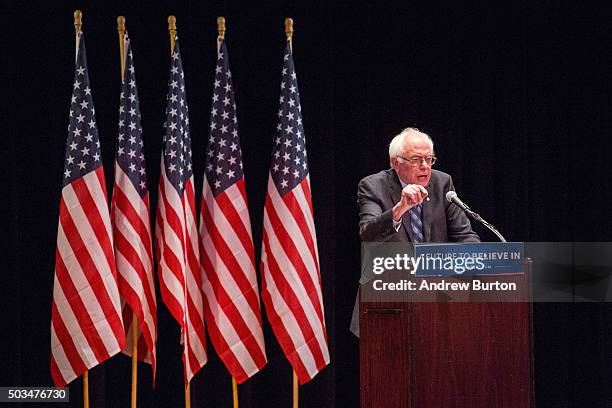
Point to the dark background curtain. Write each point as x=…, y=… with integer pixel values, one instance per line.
x=516, y=96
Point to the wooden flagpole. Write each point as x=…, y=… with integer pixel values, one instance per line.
x=78, y=25
x=221, y=36
x=134, y=360
x=188, y=395
x=296, y=395
x=172, y=32
x=133, y=402
x=86, y=389
x=296, y=388
x=235, y=392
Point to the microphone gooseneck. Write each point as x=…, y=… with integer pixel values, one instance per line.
x=452, y=197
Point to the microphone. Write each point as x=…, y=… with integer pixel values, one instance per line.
x=452, y=197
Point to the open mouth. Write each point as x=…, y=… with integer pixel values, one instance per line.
x=422, y=177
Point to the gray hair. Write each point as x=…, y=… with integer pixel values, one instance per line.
x=395, y=147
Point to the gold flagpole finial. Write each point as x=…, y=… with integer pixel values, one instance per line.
x=172, y=24
x=121, y=31
x=172, y=31
x=221, y=26
x=78, y=21
x=289, y=27
x=121, y=25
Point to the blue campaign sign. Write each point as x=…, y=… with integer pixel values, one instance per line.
x=470, y=259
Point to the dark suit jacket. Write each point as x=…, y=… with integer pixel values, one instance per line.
x=442, y=221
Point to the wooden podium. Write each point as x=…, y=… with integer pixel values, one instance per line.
x=473, y=353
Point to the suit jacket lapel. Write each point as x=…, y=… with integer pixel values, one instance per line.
x=395, y=190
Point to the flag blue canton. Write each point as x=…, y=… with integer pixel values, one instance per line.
x=289, y=163
x=177, y=141
x=223, y=166
x=130, y=151
x=82, y=144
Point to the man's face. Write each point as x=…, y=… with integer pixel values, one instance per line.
x=419, y=173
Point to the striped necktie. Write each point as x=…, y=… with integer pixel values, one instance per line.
x=416, y=222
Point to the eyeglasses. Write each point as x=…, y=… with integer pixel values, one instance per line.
x=416, y=160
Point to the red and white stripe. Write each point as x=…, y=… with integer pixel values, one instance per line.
x=179, y=269
x=86, y=324
x=291, y=279
x=232, y=307
x=133, y=248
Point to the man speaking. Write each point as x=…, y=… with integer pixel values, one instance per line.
x=407, y=203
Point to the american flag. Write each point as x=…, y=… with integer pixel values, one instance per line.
x=86, y=325
x=230, y=287
x=175, y=226
x=131, y=223
x=290, y=261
